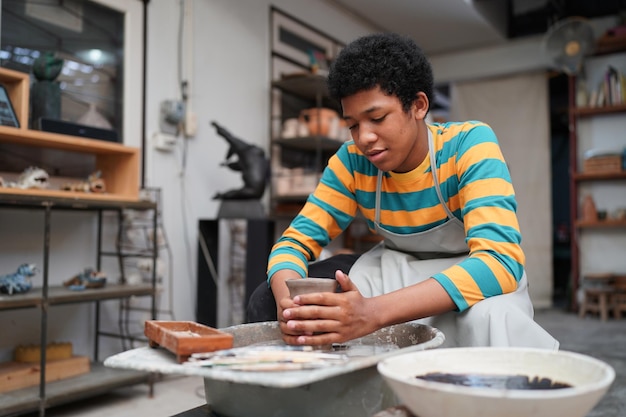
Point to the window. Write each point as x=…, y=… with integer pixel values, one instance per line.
x=101, y=45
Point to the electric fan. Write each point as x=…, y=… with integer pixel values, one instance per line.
x=568, y=42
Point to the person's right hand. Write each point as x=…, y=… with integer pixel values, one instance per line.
x=283, y=299
x=326, y=318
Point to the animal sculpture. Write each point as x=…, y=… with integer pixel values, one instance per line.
x=18, y=281
x=250, y=161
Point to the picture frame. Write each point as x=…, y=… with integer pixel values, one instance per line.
x=300, y=43
x=7, y=112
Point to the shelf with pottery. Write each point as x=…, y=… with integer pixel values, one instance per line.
x=597, y=116
x=310, y=132
x=35, y=394
x=119, y=167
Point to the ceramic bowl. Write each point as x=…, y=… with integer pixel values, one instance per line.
x=588, y=380
x=309, y=285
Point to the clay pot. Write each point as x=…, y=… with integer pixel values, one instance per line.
x=309, y=285
x=589, y=211
x=319, y=121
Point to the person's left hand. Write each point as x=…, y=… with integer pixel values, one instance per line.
x=326, y=318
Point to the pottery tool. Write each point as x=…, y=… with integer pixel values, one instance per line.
x=266, y=359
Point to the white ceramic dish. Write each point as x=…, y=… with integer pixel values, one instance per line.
x=588, y=377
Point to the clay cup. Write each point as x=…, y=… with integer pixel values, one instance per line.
x=310, y=285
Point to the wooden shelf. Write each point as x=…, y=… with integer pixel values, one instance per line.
x=600, y=223
x=119, y=165
x=69, y=199
x=595, y=111
x=609, y=44
x=18, y=87
x=600, y=176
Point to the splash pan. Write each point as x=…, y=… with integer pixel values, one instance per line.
x=350, y=388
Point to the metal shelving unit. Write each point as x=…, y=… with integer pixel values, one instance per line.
x=99, y=379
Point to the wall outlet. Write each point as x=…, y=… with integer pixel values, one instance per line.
x=164, y=141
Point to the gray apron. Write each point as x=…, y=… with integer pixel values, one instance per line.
x=401, y=260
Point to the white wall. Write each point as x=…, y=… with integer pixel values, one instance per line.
x=230, y=85
x=229, y=74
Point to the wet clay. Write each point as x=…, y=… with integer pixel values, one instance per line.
x=520, y=382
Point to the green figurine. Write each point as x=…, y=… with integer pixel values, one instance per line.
x=47, y=66
x=45, y=93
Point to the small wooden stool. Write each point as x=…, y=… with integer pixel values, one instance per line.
x=597, y=295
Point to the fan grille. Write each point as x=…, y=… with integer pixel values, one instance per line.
x=568, y=42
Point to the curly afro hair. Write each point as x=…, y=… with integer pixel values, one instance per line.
x=391, y=61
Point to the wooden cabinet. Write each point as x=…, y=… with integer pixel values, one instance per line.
x=119, y=166
x=597, y=242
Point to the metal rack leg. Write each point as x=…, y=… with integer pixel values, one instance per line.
x=155, y=253
x=44, y=312
x=96, y=348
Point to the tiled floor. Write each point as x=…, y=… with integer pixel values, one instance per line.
x=603, y=340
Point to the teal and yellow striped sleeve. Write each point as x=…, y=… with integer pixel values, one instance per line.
x=487, y=205
x=326, y=213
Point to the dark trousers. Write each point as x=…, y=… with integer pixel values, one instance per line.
x=262, y=306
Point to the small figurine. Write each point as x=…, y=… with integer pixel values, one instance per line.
x=93, y=184
x=86, y=279
x=45, y=92
x=47, y=66
x=32, y=177
x=19, y=281
x=252, y=163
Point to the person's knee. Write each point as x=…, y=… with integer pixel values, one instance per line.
x=261, y=305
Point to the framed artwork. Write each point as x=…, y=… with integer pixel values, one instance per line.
x=300, y=43
x=7, y=113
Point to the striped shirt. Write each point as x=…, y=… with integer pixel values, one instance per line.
x=475, y=184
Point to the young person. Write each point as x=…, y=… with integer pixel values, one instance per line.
x=439, y=194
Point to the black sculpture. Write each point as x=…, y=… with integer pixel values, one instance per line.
x=252, y=164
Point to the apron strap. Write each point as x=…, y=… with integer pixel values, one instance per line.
x=433, y=169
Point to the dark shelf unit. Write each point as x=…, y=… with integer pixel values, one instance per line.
x=312, y=89
x=100, y=379
x=577, y=176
